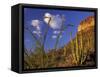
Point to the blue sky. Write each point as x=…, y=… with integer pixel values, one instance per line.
x=71, y=17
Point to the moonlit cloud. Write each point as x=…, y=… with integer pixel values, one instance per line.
x=55, y=22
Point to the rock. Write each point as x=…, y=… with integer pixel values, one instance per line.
x=86, y=23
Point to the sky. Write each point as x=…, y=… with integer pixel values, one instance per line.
x=34, y=20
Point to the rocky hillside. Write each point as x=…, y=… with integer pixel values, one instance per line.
x=86, y=23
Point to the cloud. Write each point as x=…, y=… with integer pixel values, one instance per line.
x=37, y=33
x=55, y=22
x=55, y=36
x=36, y=24
x=38, y=28
x=47, y=17
x=56, y=32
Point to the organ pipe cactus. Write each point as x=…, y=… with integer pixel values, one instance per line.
x=64, y=51
x=78, y=52
x=72, y=46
